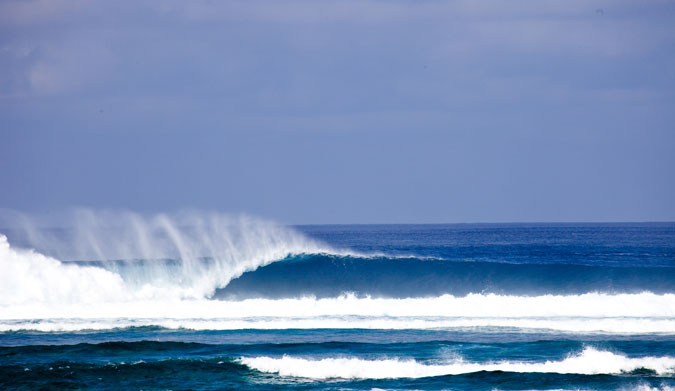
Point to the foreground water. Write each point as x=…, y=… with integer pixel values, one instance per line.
x=249, y=305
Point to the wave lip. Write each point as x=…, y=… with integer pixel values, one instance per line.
x=588, y=362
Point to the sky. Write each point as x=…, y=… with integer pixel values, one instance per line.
x=351, y=111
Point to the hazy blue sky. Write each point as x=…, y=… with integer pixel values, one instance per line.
x=311, y=111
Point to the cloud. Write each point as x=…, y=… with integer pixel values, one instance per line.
x=323, y=55
x=69, y=68
x=243, y=96
x=36, y=12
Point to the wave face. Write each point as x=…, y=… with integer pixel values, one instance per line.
x=434, y=260
x=326, y=275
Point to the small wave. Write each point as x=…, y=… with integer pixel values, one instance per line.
x=588, y=362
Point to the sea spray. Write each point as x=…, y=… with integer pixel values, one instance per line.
x=186, y=255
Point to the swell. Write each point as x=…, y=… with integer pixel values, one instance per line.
x=326, y=275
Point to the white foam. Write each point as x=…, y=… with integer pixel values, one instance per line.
x=590, y=361
x=304, y=314
x=647, y=387
x=490, y=306
x=30, y=277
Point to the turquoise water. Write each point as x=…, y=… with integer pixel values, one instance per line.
x=434, y=307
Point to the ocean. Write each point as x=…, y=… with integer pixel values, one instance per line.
x=211, y=302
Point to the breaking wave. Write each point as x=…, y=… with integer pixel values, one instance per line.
x=588, y=362
x=199, y=271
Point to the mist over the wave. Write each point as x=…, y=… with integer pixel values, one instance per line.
x=106, y=235
x=188, y=254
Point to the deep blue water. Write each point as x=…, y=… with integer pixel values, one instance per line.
x=623, y=273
